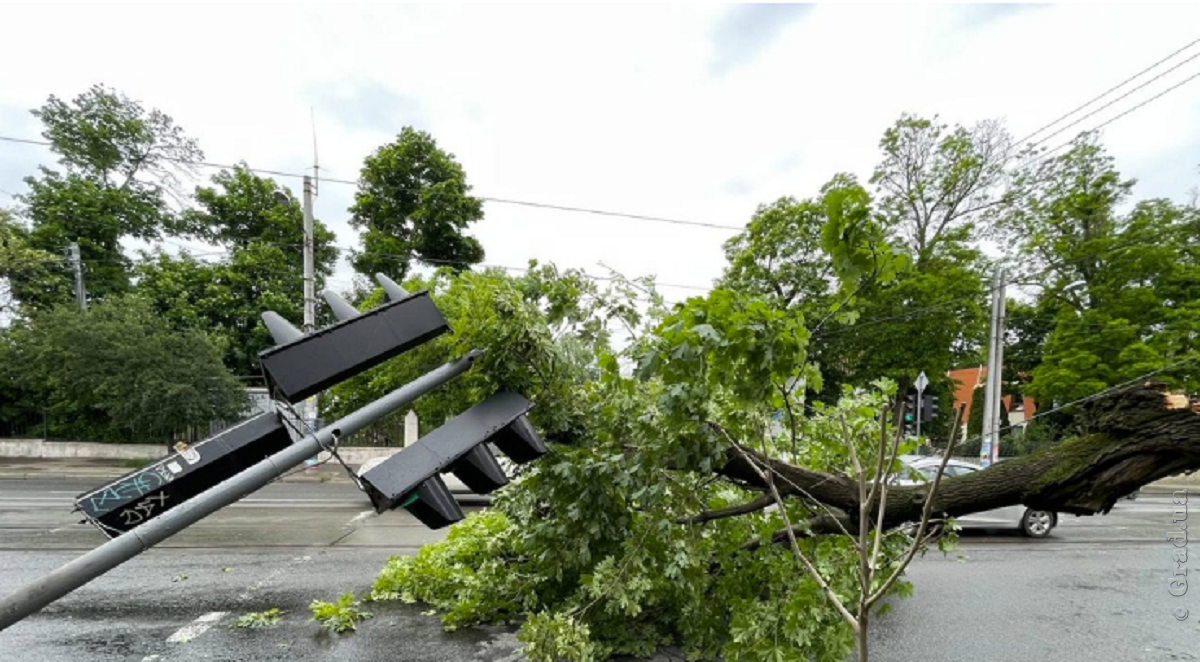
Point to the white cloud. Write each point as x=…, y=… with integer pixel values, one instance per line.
x=612, y=107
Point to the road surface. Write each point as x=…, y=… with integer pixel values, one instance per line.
x=1095, y=591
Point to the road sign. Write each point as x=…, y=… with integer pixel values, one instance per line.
x=922, y=382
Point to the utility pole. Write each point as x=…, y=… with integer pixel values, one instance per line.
x=310, y=297
x=990, y=448
x=77, y=265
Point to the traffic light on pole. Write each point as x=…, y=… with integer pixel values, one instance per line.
x=411, y=479
x=909, y=414
x=300, y=366
x=929, y=407
x=141, y=495
x=303, y=365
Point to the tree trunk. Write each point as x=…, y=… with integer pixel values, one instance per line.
x=1134, y=436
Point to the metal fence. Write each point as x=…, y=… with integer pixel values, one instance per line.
x=38, y=424
x=29, y=423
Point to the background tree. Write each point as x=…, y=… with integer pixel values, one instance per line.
x=21, y=263
x=119, y=373
x=930, y=190
x=262, y=270
x=413, y=202
x=780, y=255
x=119, y=170
x=934, y=182
x=1119, y=288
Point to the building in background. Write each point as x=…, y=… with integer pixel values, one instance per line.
x=1020, y=409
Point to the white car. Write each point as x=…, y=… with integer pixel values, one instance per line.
x=1031, y=522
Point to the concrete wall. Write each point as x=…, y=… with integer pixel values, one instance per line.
x=37, y=448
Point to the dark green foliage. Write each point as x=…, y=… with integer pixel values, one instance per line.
x=413, y=203
x=585, y=545
x=263, y=270
x=119, y=171
x=118, y=373
x=1119, y=287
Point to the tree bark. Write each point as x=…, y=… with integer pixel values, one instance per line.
x=1132, y=437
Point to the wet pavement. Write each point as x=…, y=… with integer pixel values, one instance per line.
x=1095, y=590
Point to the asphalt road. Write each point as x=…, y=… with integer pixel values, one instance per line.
x=1095, y=591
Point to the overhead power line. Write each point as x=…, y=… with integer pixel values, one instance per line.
x=1109, y=91
x=1143, y=103
x=1123, y=96
x=485, y=198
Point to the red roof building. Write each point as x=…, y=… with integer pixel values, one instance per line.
x=968, y=379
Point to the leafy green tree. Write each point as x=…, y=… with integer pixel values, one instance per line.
x=413, y=203
x=118, y=372
x=120, y=168
x=781, y=255
x=924, y=311
x=1119, y=288
x=21, y=263
x=263, y=269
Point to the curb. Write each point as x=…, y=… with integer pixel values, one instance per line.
x=49, y=475
x=1169, y=488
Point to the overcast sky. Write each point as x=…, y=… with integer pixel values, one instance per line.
x=694, y=113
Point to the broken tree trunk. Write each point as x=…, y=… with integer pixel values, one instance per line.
x=1132, y=437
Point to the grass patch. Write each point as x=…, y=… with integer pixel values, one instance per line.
x=259, y=619
x=339, y=616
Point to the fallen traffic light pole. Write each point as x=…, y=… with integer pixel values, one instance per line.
x=34, y=596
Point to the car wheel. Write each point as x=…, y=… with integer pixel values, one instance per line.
x=1037, y=523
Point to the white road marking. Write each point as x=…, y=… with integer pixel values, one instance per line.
x=360, y=517
x=195, y=628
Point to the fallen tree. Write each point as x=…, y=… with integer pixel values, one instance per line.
x=1134, y=436
x=696, y=500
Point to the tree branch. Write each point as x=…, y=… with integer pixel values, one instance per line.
x=754, y=506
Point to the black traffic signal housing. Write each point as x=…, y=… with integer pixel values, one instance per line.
x=141, y=495
x=304, y=365
x=411, y=479
x=909, y=417
x=929, y=407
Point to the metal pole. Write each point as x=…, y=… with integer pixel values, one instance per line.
x=310, y=297
x=77, y=264
x=998, y=388
x=920, y=397
x=989, y=393
x=37, y=594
